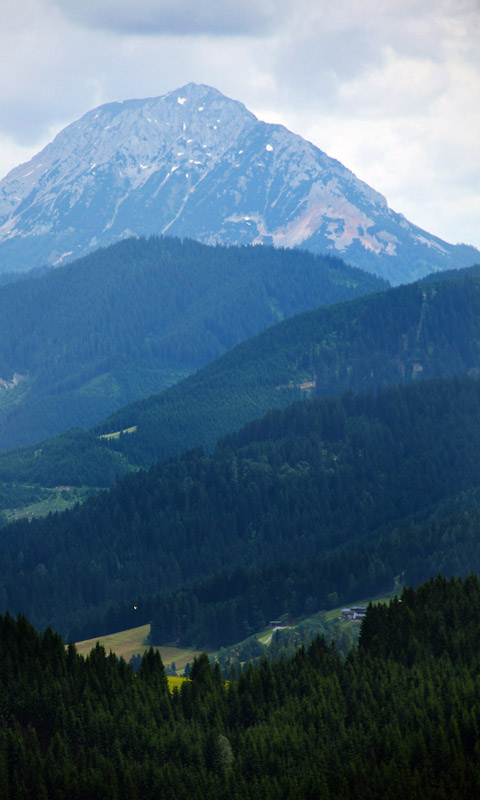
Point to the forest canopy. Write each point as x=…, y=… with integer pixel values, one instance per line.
x=333, y=495
x=397, y=718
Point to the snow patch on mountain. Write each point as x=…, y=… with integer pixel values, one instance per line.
x=196, y=163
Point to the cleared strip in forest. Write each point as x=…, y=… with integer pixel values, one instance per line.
x=133, y=641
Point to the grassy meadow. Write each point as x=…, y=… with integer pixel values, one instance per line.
x=135, y=641
x=57, y=499
x=117, y=434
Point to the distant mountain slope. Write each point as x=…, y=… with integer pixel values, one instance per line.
x=196, y=163
x=403, y=334
x=418, y=331
x=329, y=479
x=131, y=319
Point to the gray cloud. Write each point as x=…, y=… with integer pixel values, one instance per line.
x=179, y=18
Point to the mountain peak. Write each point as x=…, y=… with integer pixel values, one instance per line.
x=196, y=163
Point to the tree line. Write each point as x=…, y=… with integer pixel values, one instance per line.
x=397, y=717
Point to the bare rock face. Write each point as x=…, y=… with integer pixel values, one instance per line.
x=194, y=163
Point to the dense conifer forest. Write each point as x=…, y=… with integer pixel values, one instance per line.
x=319, y=502
x=409, y=333
x=86, y=338
x=370, y=478
x=398, y=717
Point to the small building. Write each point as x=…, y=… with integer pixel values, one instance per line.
x=354, y=613
x=360, y=611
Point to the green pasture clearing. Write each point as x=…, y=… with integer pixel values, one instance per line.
x=117, y=434
x=175, y=681
x=381, y=598
x=180, y=655
x=125, y=643
x=265, y=636
x=135, y=640
x=58, y=499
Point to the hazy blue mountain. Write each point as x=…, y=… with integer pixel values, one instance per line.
x=409, y=333
x=194, y=163
x=125, y=321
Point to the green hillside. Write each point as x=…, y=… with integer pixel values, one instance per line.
x=411, y=332
x=86, y=338
x=311, y=501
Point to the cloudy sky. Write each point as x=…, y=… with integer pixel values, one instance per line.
x=391, y=88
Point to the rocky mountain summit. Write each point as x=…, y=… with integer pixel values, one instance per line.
x=194, y=163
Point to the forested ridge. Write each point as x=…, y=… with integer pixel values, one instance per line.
x=399, y=717
x=86, y=338
x=332, y=482
x=409, y=333
x=313, y=505
x=222, y=609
